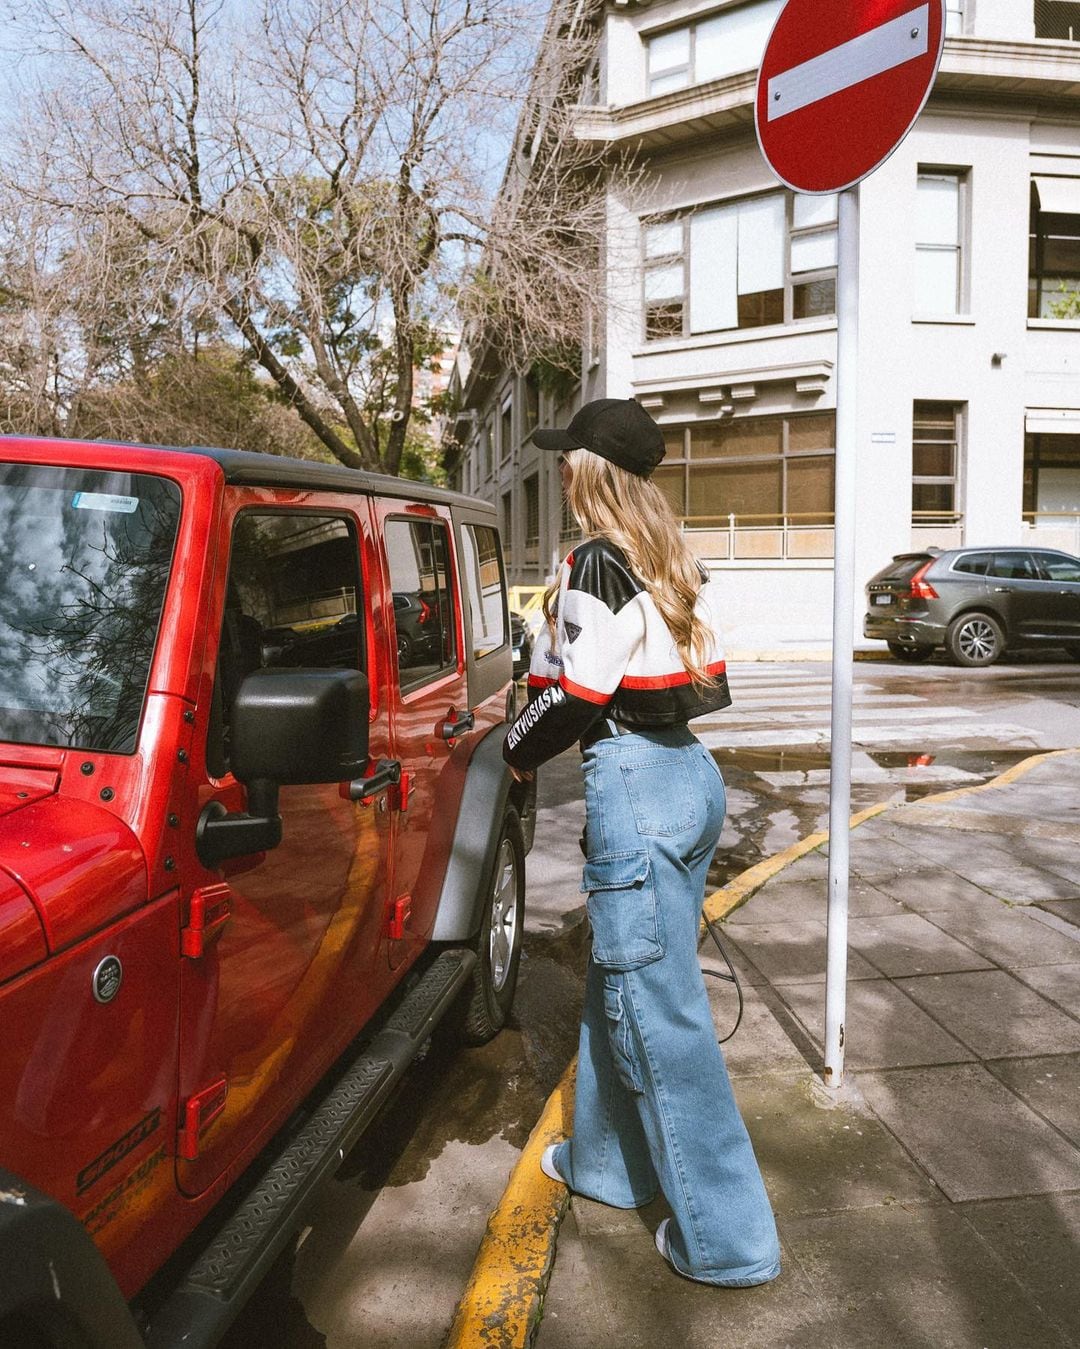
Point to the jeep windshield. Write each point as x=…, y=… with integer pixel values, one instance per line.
x=84, y=561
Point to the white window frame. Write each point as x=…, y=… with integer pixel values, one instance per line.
x=817, y=229
x=961, y=175
x=954, y=479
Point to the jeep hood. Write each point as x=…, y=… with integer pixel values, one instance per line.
x=78, y=865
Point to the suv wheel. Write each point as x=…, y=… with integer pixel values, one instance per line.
x=975, y=639
x=488, y=999
x=911, y=654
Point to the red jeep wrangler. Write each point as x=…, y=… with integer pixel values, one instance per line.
x=256, y=839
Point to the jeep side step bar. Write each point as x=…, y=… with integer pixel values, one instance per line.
x=201, y=1309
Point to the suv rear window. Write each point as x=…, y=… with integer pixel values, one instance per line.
x=84, y=562
x=902, y=568
x=1015, y=567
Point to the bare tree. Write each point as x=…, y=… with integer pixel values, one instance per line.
x=320, y=182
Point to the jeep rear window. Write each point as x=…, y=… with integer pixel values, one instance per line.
x=84, y=562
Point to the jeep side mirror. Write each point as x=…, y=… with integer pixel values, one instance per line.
x=289, y=726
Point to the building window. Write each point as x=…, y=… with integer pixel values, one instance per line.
x=532, y=402
x=569, y=530
x=506, y=431
x=934, y=463
x=1058, y=19
x=764, y=471
x=1051, y=479
x=487, y=449
x=954, y=17
x=744, y=264
x=940, y=213
x=725, y=44
x=532, y=510
x=506, y=516
x=1054, y=252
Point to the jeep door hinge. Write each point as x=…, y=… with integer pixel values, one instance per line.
x=197, y=1114
x=211, y=909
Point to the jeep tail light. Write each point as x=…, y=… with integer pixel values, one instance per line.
x=920, y=589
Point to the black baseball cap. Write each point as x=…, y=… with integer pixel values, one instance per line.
x=618, y=429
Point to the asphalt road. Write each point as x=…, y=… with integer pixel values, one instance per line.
x=393, y=1239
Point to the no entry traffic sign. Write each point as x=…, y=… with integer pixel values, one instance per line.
x=841, y=84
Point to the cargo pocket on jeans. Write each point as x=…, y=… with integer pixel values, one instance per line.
x=626, y=924
x=621, y=1039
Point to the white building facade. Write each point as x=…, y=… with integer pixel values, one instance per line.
x=720, y=314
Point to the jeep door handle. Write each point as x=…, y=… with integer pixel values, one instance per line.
x=387, y=774
x=463, y=721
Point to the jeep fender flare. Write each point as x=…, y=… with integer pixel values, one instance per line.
x=488, y=788
x=52, y=1276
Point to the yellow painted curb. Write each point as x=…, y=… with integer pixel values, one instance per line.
x=501, y=1305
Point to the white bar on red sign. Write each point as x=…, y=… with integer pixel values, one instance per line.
x=872, y=53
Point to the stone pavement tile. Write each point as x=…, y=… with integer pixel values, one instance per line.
x=818, y=1156
x=995, y=1014
x=760, y=1044
x=611, y=1290
x=995, y=867
x=1010, y=937
x=1069, y=909
x=791, y=952
x=916, y=1279
x=811, y=866
x=933, y=888
x=884, y=1029
x=1049, y=1085
x=907, y=943
x=872, y=857
x=970, y=1133
x=1060, y=983
x=1039, y=1240
x=783, y=901
x=709, y=959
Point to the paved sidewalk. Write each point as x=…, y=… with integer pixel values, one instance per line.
x=937, y=1202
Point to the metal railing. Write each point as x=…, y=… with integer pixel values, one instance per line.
x=789, y=537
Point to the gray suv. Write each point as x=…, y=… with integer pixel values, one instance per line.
x=976, y=602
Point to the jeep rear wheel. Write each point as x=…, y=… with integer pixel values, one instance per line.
x=911, y=654
x=486, y=1002
x=975, y=639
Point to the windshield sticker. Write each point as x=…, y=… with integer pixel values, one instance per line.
x=105, y=501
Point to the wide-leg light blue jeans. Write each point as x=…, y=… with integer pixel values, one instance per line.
x=653, y=1105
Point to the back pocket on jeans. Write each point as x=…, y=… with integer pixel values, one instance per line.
x=662, y=796
x=626, y=923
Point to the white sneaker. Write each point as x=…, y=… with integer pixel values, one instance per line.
x=661, y=1240
x=547, y=1164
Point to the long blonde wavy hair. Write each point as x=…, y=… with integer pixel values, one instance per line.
x=632, y=513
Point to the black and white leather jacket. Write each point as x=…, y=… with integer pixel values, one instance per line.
x=613, y=656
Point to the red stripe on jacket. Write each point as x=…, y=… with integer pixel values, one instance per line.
x=668, y=681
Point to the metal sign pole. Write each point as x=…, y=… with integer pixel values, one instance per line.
x=847, y=340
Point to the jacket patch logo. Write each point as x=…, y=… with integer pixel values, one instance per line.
x=572, y=630
x=117, y=1151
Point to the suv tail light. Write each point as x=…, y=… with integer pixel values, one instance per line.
x=920, y=589
x=425, y=612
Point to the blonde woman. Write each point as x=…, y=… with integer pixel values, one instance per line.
x=633, y=655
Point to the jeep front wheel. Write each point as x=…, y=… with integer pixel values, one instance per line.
x=975, y=639
x=498, y=947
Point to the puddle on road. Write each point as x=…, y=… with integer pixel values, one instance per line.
x=769, y=813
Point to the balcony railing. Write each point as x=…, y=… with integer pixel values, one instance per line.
x=936, y=529
x=792, y=537
x=1053, y=529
